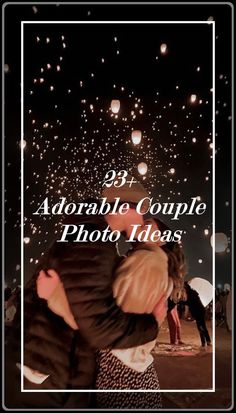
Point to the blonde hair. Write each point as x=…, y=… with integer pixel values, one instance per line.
x=177, y=267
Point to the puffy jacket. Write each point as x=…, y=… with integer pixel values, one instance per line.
x=50, y=345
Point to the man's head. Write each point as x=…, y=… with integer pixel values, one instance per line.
x=131, y=192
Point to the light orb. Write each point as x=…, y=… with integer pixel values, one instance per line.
x=142, y=168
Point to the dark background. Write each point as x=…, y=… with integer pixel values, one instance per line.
x=142, y=76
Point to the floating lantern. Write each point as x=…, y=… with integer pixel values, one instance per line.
x=204, y=289
x=193, y=98
x=23, y=143
x=136, y=137
x=227, y=287
x=142, y=168
x=221, y=242
x=26, y=240
x=163, y=48
x=172, y=171
x=115, y=106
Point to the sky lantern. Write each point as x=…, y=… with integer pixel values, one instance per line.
x=23, y=143
x=193, y=98
x=115, y=106
x=221, y=242
x=204, y=289
x=227, y=287
x=26, y=240
x=163, y=48
x=142, y=168
x=136, y=137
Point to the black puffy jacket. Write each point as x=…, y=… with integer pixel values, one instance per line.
x=50, y=345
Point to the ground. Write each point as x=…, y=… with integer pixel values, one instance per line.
x=188, y=367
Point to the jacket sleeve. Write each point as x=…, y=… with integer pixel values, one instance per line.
x=88, y=286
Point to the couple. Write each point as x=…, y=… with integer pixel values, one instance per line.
x=92, y=320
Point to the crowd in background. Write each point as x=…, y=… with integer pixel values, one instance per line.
x=12, y=301
x=221, y=297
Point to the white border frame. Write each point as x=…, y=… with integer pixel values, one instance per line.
x=213, y=205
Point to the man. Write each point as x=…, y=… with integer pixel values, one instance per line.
x=60, y=354
x=198, y=312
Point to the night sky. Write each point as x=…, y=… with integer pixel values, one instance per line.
x=71, y=74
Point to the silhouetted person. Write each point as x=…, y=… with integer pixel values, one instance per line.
x=198, y=312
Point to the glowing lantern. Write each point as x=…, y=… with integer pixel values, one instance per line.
x=227, y=287
x=136, y=136
x=142, y=168
x=26, y=240
x=163, y=48
x=115, y=106
x=221, y=242
x=204, y=289
x=193, y=98
x=23, y=143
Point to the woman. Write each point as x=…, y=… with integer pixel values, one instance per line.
x=174, y=326
x=177, y=268
x=138, y=286
x=141, y=280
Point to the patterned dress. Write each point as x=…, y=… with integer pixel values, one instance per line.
x=114, y=374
